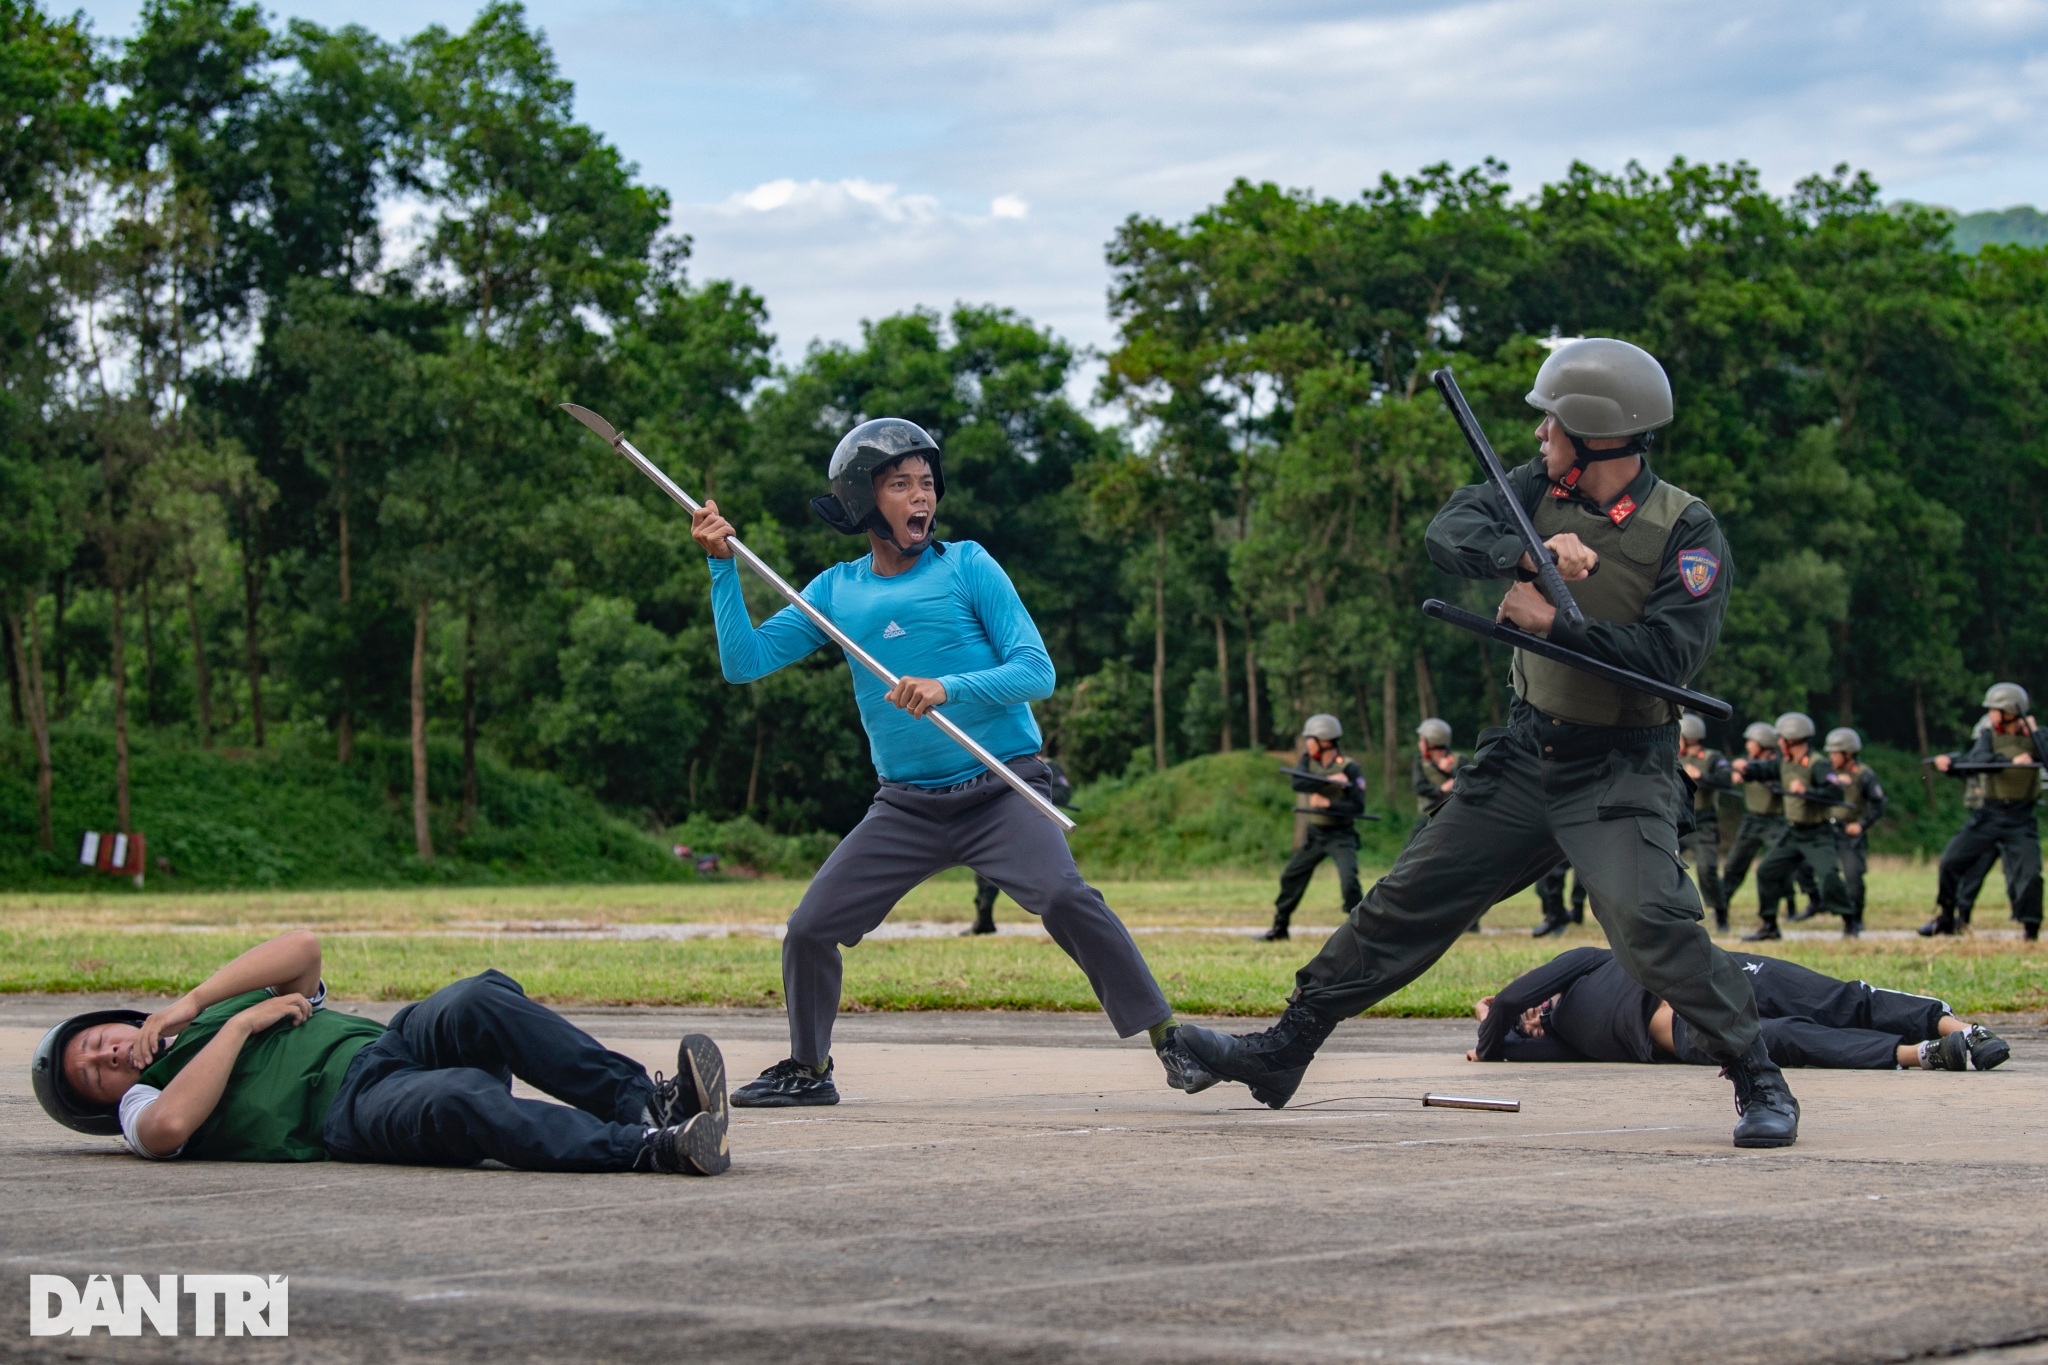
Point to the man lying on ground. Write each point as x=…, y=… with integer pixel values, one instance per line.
x=249, y=1066
x=1582, y=1007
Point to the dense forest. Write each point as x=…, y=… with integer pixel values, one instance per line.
x=285, y=315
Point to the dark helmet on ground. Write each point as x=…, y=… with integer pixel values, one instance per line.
x=1843, y=740
x=1323, y=726
x=1435, y=732
x=2006, y=697
x=863, y=453
x=1794, y=726
x=1600, y=388
x=1762, y=732
x=1692, y=728
x=54, y=1093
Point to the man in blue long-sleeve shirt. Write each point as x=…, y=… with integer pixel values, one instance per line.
x=947, y=621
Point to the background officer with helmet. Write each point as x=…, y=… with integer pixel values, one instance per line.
x=1809, y=836
x=1708, y=769
x=1435, y=768
x=1333, y=810
x=1585, y=769
x=2006, y=822
x=1763, y=824
x=1858, y=785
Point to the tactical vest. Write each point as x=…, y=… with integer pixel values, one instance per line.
x=1324, y=819
x=2015, y=784
x=1629, y=557
x=1759, y=799
x=1806, y=814
x=1703, y=795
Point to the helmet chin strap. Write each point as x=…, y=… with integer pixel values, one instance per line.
x=1637, y=444
x=879, y=524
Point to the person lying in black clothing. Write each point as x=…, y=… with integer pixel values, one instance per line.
x=1582, y=1007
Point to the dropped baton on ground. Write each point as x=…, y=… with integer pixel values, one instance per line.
x=818, y=618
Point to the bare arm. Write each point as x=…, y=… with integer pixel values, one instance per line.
x=288, y=964
x=170, y=1120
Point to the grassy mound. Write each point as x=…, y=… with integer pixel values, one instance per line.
x=1218, y=811
x=290, y=816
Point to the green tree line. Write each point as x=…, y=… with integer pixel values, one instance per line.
x=286, y=312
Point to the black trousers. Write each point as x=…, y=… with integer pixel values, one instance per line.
x=1535, y=793
x=1855, y=854
x=1550, y=895
x=1814, y=1020
x=436, y=1089
x=1340, y=846
x=1702, y=848
x=985, y=893
x=2010, y=831
x=1813, y=848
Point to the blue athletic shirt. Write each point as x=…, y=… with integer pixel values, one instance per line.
x=955, y=617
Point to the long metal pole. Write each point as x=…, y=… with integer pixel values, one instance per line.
x=818, y=618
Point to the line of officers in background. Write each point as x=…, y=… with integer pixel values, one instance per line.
x=1806, y=813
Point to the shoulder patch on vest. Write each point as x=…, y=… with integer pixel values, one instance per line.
x=1622, y=511
x=1698, y=568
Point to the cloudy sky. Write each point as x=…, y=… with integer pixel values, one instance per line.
x=852, y=159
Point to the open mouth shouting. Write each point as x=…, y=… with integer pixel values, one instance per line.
x=917, y=527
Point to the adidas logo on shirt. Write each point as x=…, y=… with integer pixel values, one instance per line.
x=894, y=632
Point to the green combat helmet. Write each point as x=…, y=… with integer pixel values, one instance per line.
x=1599, y=388
x=1843, y=740
x=1794, y=726
x=1762, y=732
x=1692, y=728
x=1435, y=733
x=2008, y=697
x=1322, y=726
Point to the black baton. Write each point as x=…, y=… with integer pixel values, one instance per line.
x=1521, y=639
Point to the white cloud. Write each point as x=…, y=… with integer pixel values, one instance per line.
x=835, y=199
x=1008, y=206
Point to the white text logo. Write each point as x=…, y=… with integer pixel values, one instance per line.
x=224, y=1305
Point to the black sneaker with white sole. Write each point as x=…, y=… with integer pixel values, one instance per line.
x=698, y=1087
x=698, y=1147
x=787, y=1085
x=1950, y=1052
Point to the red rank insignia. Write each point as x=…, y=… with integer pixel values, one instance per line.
x=1622, y=511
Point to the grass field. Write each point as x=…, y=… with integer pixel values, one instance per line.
x=400, y=944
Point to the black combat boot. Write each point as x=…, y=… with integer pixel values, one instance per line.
x=1276, y=934
x=1769, y=1114
x=1721, y=921
x=1944, y=922
x=1272, y=1062
x=1549, y=927
x=1764, y=932
x=2030, y=930
x=1852, y=926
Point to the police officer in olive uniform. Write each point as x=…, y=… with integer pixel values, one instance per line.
x=1709, y=771
x=2006, y=822
x=1332, y=811
x=1858, y=785
x=1435, y=768
x=1809, y=836
x=1585, y=769
x=1763, y=824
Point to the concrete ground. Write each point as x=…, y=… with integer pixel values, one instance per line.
x=1012, y=1188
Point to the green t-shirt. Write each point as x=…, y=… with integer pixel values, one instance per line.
x=277, y=1096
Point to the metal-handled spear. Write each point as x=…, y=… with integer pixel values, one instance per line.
x=818, y=618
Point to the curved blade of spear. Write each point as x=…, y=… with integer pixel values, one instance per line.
x=612, y=438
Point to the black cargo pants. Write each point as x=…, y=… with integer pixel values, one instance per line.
x=1339, y=844
x=1813, y=848
x=1537, y=791
x=2010, y=830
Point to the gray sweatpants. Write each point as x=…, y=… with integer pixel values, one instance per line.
x=909, y=834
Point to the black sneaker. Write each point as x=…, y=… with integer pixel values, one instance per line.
x=698, y=1086
x=1987, y=1049
x=1271, y=1063
x=698, y=1147
x=1183, y=1072
x=1950, y=1052
x=1943, y=923
x=1763, y=933
x=786, y=1085
x=1769, y=1116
